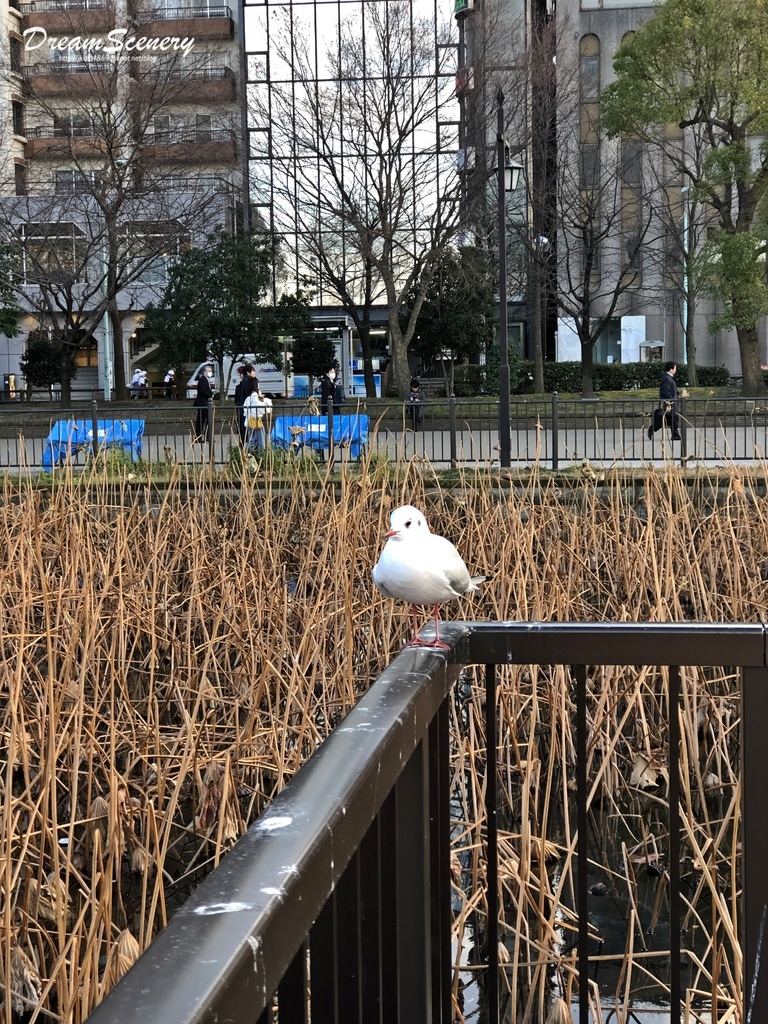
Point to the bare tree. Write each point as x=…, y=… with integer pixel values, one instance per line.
x=111, y=196
x=358, y=172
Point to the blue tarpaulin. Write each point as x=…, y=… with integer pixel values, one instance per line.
x=68, y=437
x=313, y=432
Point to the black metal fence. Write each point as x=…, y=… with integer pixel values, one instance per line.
x=451, y=432
x=337, y=901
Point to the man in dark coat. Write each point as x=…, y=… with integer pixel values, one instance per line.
x=668, y=395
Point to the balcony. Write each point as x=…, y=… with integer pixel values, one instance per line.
x=197, y=22
x=56, y=142
x=69, y=78
x=65, y=17
x=191, y=145
x=201, y=85
x=339, y=899
x=199, y=183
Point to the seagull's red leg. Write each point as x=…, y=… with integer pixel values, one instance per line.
x=436, y=643
x=415, y=613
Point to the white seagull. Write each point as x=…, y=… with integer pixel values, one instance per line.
x=419, y=567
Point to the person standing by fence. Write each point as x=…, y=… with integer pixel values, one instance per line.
x=415, y=401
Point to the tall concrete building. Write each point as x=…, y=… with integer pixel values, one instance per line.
x=121, y=145
x=553, y=61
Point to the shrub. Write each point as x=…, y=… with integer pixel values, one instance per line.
x=468, y=380
x=566, y=377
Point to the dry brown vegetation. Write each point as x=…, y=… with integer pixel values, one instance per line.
x=170, y=657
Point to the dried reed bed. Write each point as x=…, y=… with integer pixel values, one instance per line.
x=170, y=657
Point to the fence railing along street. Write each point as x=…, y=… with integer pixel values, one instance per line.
x=452, y=432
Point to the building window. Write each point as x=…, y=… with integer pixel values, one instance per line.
x=20, y=179
x=160, y=127
x=589, y=88
x=15, y=55
x=590, y=166
x=632, y=162
x=72, y=126
x=203, y=128
x=148, y=247
x=69, y=182
x=52, y=253
x=18, y=117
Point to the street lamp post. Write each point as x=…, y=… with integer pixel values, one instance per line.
x=508, y=176
x=684, y=191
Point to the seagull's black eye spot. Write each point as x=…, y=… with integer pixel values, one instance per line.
x=408, y=524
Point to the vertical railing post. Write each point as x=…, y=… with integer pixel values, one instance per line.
x=211, y=424
x=440, y=864
x=555, y=433
x=414, y=980
x=582, y=845
x=329, y=416
x=675, y=959
x=754, y=837
x=492, y=846
x=682, y=427
x=452, y=421
x=95, y=427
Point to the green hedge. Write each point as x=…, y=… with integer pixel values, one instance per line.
x=471, y=380
x=566, y=377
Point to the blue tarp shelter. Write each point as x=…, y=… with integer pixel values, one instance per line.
x=313, y=432
x=68, y=437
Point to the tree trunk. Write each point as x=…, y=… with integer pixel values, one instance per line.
x=66, y=384
x=690, y=341
x=399, y=350
x=587, y=374
x=118, y=358
x=364, y=330
x=752, y=381
x=538, y=349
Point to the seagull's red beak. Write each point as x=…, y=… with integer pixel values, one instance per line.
x=391, y=533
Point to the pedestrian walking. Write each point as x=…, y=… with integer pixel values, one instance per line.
x=668, y=400
x=245, y=386
x=204, y=393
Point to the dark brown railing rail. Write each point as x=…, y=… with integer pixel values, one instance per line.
x=338, y=898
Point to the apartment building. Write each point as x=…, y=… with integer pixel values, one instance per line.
x=122, y=145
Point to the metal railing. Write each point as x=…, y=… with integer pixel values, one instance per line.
x=338, y=897
x=69, y=131
x=206, y=74
x=180, y=13
x=452, y=432
x=188, y=134
x=69, y=67
x=55, y=6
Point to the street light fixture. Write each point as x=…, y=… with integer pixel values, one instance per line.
x=508, y=178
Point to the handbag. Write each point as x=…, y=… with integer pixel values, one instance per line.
x=254, y=422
